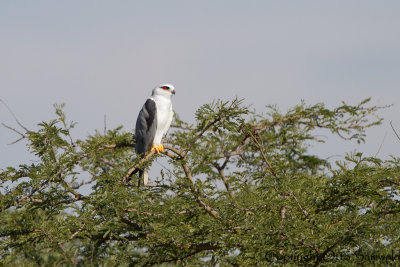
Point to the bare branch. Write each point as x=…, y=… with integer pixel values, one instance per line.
x=391, y=124
x=16, y=131
x=380, y=147
x=16, y=141
x=12, y=114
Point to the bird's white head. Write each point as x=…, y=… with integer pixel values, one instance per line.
x=166, y=90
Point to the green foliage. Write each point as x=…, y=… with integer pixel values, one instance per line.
x=240, y=189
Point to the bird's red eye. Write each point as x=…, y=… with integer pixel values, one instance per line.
x=165, y=87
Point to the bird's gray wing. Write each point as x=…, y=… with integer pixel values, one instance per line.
x=146, y=125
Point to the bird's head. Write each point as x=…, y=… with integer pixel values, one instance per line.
x=164, y=90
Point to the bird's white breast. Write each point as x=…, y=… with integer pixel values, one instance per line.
x=164, y=117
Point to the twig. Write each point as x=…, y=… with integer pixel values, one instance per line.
x=14, y=130
x=191, y=251
x=166, y=168
x=146, y=213
x=80, y=229
x=104, y=147
x=77, y=195
x=28, y=197
x=12, y=114
x=176, y=151
x=105, y=125
x=380, y=147
x=299, y=205
x=391, y=124
x=61, y=246
x=322, y=255
x=228, y=188
x=201, y=134
x=219, y=118
x=221, y=172
x=195, y=192
x=238, y=150
x=271, y=169
x=32, y=200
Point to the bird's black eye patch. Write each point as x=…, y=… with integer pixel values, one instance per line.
x=165, y=87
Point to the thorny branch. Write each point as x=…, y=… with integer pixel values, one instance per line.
x=208, y=126
x=196, y=192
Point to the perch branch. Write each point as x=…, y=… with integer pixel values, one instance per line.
x=134, y=168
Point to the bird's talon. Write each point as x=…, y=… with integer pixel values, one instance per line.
x=154, y=147
x=160, y=148
x=157, y=148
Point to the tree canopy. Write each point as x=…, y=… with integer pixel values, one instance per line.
x=241, y=189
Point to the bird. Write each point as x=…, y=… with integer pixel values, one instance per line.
x=153, y=122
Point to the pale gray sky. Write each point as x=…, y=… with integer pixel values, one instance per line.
x=104, y=57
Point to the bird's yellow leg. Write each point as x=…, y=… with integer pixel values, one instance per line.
x=157, y=148
x=154, y=147
x=160, y=148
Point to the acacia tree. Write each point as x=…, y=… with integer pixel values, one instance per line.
x=240, y=189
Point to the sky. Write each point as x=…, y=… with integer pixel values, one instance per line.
x=105, y=57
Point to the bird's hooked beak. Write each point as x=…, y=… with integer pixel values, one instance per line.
x=173, y=92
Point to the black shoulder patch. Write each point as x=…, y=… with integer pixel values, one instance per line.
x=151, y=109
x=146, y=126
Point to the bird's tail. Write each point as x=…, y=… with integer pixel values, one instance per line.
x=143, y=173
x=143, y=176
